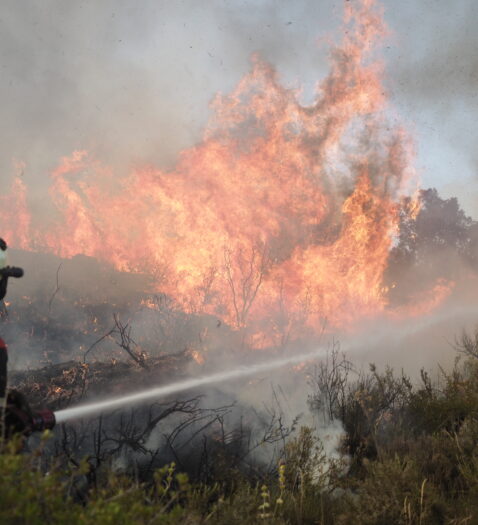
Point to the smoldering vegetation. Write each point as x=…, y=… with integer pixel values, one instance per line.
x=407, y=454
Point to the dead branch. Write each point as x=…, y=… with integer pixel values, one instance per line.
x=97, y=342
x=127, y=343
x=57, y=289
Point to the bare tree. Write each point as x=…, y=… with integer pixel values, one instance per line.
x=330, y=384
x=244, y=275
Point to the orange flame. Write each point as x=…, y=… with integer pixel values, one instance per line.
x=14, y=215
x=427, y=302
x=282, y=216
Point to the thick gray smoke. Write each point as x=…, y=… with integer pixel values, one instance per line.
x=131, y=81
x=432, y=68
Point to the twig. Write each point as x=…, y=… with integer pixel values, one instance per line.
x=97, y=342
x=57, y=289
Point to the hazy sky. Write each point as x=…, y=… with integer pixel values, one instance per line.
x=131, y=80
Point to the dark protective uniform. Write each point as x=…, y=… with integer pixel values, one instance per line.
x=16, y=417
x=5, y=274
x=3, y=368
x=3, y=346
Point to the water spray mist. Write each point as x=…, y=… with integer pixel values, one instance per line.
x=180, y=386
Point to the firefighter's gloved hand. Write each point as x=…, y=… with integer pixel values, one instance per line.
x=18, y=416
x=18, y=400
x=20, y=419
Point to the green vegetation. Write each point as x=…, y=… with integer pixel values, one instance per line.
x=409, y=456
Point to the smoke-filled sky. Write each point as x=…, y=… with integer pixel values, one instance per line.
x=131, y=80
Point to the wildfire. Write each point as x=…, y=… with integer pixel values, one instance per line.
x=429, y=301
x=14, y=215
x=282, y=217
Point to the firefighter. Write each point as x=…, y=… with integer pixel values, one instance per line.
x=17, y=416
x=5, y=273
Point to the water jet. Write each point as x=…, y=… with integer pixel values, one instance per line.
x=181, y=386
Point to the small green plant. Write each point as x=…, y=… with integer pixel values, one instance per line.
x=264, y=507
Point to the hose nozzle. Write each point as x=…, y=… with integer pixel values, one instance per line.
x=42, y=420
